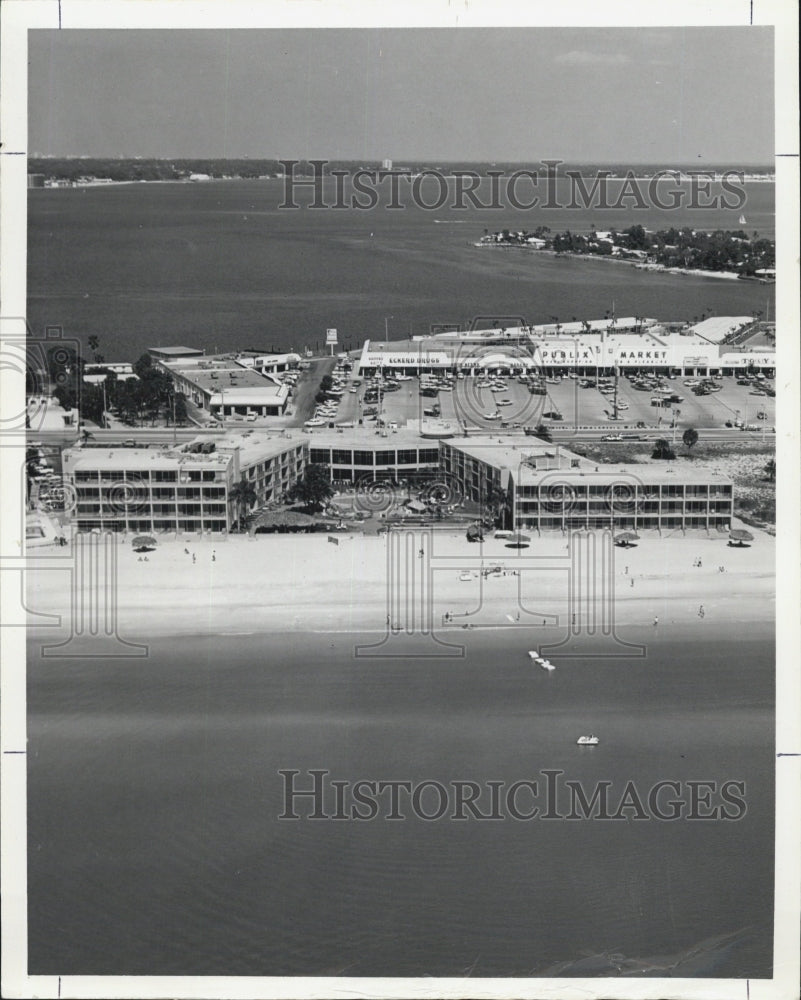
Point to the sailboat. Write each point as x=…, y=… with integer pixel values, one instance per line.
x=742, y=221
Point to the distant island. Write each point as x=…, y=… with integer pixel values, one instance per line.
x=730, y=253
x=67, y=171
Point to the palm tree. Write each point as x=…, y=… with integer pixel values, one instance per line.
x=244, y=496
x=497, y=500
x=94, y=343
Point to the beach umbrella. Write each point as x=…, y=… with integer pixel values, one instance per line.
x=626, y=538
x=144, y=542
x=739, y=537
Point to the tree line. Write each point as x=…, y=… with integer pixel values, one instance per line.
x=149, y=397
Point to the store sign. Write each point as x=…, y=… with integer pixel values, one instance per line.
x=568, y=356
x=330, y=336
x=746, y=360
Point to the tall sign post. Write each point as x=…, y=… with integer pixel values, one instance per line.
x=331, y=339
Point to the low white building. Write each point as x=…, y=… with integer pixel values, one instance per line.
x=96, y=373
x=225, y=387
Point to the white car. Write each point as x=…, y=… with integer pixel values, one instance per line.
x=612, y=437
x=314, y=422
x=503, y=402
x=492, y=416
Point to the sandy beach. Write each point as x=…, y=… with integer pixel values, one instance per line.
x=282, y=583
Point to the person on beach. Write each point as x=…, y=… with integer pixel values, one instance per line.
x=656, y=621
x=194, y=557
x=214, y=557
x=632, y=581
x=701, y=611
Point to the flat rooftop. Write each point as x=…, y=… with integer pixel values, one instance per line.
x=153, y=457
x=255, y=446
x=175, y=351
x=226, y=375
x=522, y=458
x=717, y=327
x=369, y=435
x=572, y=328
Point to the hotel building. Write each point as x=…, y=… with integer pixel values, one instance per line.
x=549, y=487
x=186, y=488
x=360, y=454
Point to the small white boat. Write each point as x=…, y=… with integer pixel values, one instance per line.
x=547, y=665
x=742, y=221
x=588, y=741
x=533, y=654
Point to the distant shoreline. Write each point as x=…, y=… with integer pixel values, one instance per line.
x=659, y=268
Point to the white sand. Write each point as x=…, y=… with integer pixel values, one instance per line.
x=303, y=582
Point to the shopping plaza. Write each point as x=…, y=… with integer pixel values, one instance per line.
x=192, y=486
x=711, y=347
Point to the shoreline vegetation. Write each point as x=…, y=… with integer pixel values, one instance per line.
x=115, y=169
x=727, y=254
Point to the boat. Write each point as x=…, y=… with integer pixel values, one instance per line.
x=588, y=741
x=533, y=654
x=547, y=665
x=742, y=221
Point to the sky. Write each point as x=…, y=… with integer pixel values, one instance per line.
x=633, y=95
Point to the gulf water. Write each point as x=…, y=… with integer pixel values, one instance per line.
x=155, y=844
x=222, y=266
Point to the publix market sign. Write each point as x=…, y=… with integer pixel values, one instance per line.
x=578, y=355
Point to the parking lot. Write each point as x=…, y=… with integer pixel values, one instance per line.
x=510, y=404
